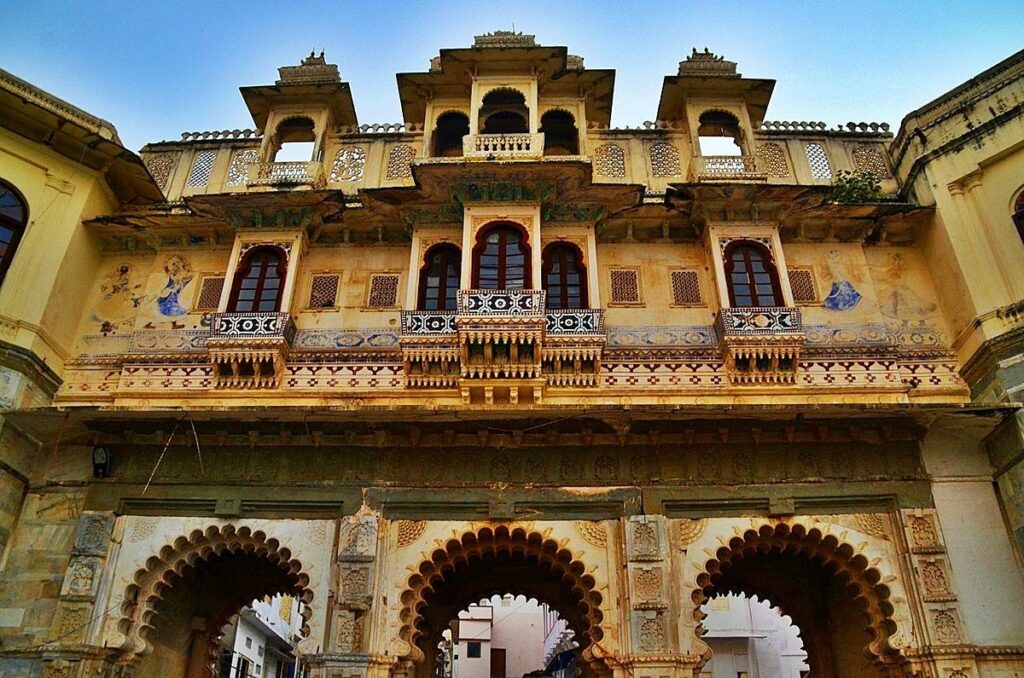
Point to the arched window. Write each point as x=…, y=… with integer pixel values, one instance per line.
x=1018, y=214
x=439, y=278
x=447, y=136
x=258, y=282
x=501, y=258
x=294, y=140
x=504, y=111
x=13, y=219
x=751, y=275
x=565, y=278
x=560, y=134
x=718, y=133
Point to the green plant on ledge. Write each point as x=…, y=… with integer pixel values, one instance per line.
x=856, y=187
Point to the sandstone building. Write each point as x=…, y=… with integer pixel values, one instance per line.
x=504, y=348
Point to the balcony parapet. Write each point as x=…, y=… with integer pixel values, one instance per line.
x=573, y=346
x=503, y=146
x=726, y=168
x=309, y=173
x=249, y=350
x=761, y=345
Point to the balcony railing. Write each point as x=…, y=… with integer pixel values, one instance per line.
x=759, y=320
x=512, y=303
x=232, y=326
x=761, y=344
x=575, y=322
x=428, y=323
x=726, y=168
x=503, y=146
x=286, y=174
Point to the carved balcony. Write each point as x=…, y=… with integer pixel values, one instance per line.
x=503, y=146
x=574, y=342
x=249, y=350
x=286, y=174
x=430, y=349
x=760, y=345
x=726, y=168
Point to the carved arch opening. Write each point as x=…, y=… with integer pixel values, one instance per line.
x=176, y=606
x=832, y=593
x=501, y=560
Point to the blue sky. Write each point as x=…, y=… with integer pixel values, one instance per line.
x=158, y=69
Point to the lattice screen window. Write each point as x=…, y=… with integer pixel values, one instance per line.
x=685, y=288
x=869, y=161
x=818, y=160
x=773, y=160
x=238, y=170
x=625, y=286
x=160, y=166
x=209, y=293
x=665, y=160
x=202, y=167
x=610, y=160
x=801, y=281
x=323, y=291
x=383, y=291
x=349, y=164
x=400, y=162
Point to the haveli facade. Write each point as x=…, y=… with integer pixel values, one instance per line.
x=504, y=348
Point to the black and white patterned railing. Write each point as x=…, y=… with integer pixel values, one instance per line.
x=575, y=322
x=428, y=323
x=252, y=326
x=775, y=320
x=501, y=302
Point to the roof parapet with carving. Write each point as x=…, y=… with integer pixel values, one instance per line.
x=707, y=64
x=504, y=39
x=314, y=69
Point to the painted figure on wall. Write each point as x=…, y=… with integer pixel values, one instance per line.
x=843, y=296
x=896, y=299
x=179, y=275
x=119, y=297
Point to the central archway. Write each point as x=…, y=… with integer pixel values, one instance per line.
x=493, y=561
x=833, y=595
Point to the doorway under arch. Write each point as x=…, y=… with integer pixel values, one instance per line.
x=831, y=593
x=177, y=605
x=492, y=561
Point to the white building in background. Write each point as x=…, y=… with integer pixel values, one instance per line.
x=505, y=637
x=751, y=639
x=258, y=643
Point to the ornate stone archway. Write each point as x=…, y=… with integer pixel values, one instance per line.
x=266, y=568
x=498, y=560
x=834, y=595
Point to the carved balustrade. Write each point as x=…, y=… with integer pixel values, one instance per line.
x=430, y=348
x=286, y=174
x=503, y=146
x=573, y=345
x=760, y=345
x=726, y=168
x=249, y=350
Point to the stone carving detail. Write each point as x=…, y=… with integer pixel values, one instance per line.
x=360, y=539
x=593, y=533
x=160, y=166
x=625, y=286
x=80, y=579
x=871, y=524
x=645, y=541
x=400, y=162
x=869, y=161
x=958, y=673
x=238, y=170
x=610, y=160
x=73, y=620
x=947, y=630
x=349, y=164
x=690, y=531
x=354, y=584
x=647, y=583
x=773, y=160
x=348, y=632
x=652, y=635
x=93, y=534
x=57, y=672
x=665, y=160
x=144, y=527
x=934, y=577
x=923, y=532
x=409, y=531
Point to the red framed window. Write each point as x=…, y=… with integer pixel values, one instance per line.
x=259, y=281
x=439, y=278
x=751, y=275
x=564, y=276
x=13, y=220
x=501, y=258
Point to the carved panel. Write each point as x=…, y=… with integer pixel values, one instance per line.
x=773, y=160
x=355, y=585
x=160, y=166
x=383, y=291
x=359, y=539
x=400, y=162
x=577, y=321
x=202, y=167
x=665, y=160
x=209, y=293
x=870, y=161
x=500, y=302
x=947, y=627
x=93, y=534
x=238, y=170
x=409, y=531
x=347, y=631
x=350, y=164
x=643, y=539
x=610, y=160
x=801, y=281
x=647, y=583
x=323, y=291
x=923, y=534
x=625, y=286
x=935, y=580
x=428, y=323
x=817, y=158
x=652, y=634
x=685, y=288
x=80, y=580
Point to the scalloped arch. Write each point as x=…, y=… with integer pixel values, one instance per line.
x=846, y=566
x=151, y=582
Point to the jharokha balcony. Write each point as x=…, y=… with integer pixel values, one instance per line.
x=760, y=345
x=726, y=168
x=503, y=146
x=249, y=350
x=502, y=346
x=279, y=174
